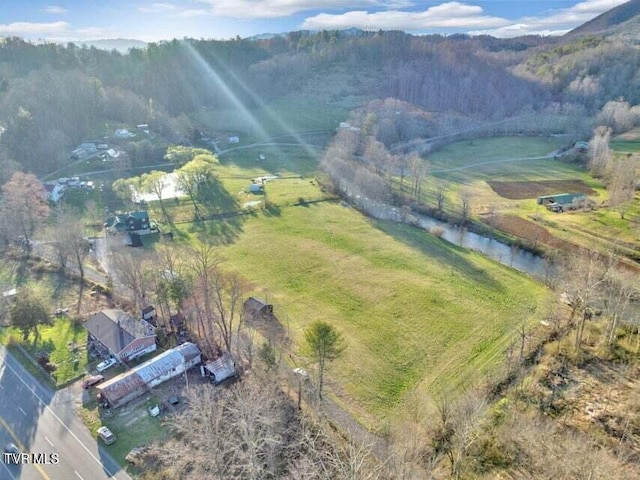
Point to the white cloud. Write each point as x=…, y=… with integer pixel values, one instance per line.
x=56, y=32
x=91, y=33
x=194, y=13
x=55, y=9
x=159, y=8
x=446, y=15
x=556, y=22
x=29, y=29
x=282, y=8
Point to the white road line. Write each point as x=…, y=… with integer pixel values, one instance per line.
x=79, y=476
x=8, y=471
x=48, y=441
x=106, y=470
x=23, y=412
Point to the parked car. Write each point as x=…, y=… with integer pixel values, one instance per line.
x=106, y=364
x=92, y=380
x=11, y=448
x=106, y=435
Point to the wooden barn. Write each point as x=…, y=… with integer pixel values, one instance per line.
x=257, y=309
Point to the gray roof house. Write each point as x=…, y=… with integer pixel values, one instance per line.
x=124, y=336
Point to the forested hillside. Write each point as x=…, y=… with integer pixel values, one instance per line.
x=52, y=97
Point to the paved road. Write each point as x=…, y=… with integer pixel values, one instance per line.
x=40, y=421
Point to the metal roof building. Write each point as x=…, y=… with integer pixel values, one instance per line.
x=135, y=382
x=222, y=368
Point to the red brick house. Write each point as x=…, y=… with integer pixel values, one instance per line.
x=122, y=335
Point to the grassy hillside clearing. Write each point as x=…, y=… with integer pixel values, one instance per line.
x=488, y=162
x=413, y=309
x=470, y=165
x=294, y=113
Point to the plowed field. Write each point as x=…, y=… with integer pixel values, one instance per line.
x=527, y=230
x=523, y=190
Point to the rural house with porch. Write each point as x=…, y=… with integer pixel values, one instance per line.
x=123, y=336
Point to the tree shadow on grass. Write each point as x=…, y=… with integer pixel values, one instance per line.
x=273, y=211
x=215, y=199
x=440, y=251
x=221, y=229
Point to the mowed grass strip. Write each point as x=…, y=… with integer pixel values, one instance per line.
x=412, y=308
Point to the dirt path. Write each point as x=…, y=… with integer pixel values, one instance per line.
x=359, y=435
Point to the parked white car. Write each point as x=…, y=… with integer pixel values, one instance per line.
x=108, y=363
x=106, y=435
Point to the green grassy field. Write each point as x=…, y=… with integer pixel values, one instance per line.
x=285, y=115
x=294, y=165
x=469, y=165
x=486, y=161
x=415, y=310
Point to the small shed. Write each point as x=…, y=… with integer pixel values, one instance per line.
x=233, y=139
x=559, y=201
x=10, y=295
x=221, y=369
x=177, y=322
x=256, y=308
x=148, y=312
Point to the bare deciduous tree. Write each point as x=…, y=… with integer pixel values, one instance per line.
x=419, y=169
x=457, y=428
x=440, y=194
x=23, y=207
x=154, y=183
x=599, y=152
x=465, y=205
x=131, y=272
x=70, y=243
x=617, y=292
x=584, y=275
x=623, y=174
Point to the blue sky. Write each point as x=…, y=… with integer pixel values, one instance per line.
x=150, y=20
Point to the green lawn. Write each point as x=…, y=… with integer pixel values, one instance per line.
x=625, y=146
x=230, y=194
x=481, y=150
x=283, y=159
x=65, y=343
x=64, y=339
x=416, y=311
x=133, y=427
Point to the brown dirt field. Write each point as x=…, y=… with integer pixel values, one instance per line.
x=527, y=230
x=523, y=190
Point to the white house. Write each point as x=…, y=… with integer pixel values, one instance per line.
x=123, y=133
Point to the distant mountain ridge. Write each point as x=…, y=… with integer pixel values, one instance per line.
x=609, y=19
